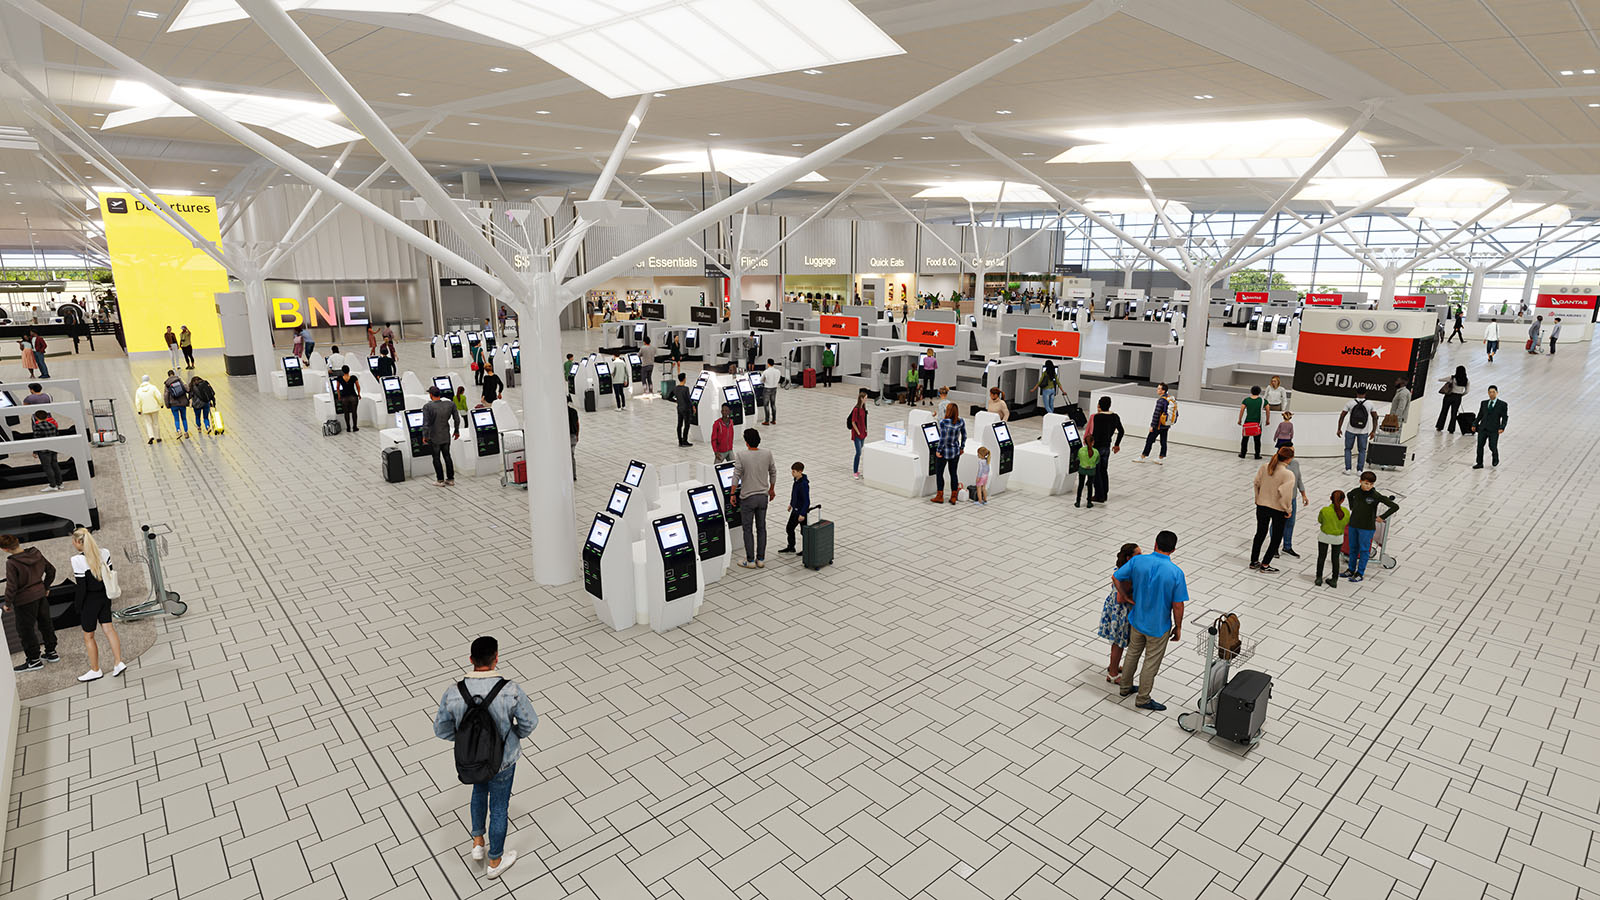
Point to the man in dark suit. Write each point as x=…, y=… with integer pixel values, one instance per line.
x=1492, y=419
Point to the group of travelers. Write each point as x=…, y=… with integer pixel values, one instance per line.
x=29, y=577
x=179, y=396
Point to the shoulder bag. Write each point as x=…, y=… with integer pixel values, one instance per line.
x=113, y=585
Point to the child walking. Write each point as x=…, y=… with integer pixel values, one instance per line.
x=1114, y=618
x=982, y=483
x=1284, y=436
x=1333, y=519
x=1088, y=461
x=799, y=503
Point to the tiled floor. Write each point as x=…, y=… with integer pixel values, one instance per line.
x=924, y=719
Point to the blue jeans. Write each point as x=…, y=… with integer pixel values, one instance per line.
x=44, y=367
x=1288, y=525
x=1360, y=549
x=856, y=466
x=491, y=800
x=1047, y=400
x=1359, y=441
x=202, y=417
x=180, y=418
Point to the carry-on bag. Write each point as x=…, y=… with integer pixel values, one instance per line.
x=666, y=388
x=808, y=378
x=394, y=465
x=1075, y=413
x=331, y=428
x=818, y=536
x=588, y=401
x=1242, y=706
x=1384, y=454
x=519, y=472
x=1467, y=422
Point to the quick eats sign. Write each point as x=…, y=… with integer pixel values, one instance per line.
x=287, y=312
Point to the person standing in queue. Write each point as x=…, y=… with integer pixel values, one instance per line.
x=1274, y=493
x=30, y=360
x=513, y=717
x=567, y=370
x=45, y=426
x=647, y=366
x=89, y=569
x=1533, y=335
x=1364, y=516
x=857, y=423
x=828, y=361
x=1049, y=385
x=1363, y=426
x=1555, y=332
x=1161, y=421
x=680, y=395
x=441, y=423
x=619, y=380
x=39, y=348
x=952, y=443
x=1105, y=428
x=385, y=363
x=1294, y=505
x=1451, y=389
x=722, y=436
x=493, y=387
x=1492, y=419
x=1254, y=417
x=28, y=579
x=1491, y=339
x=460, y=401
x=771, y=380
x=335, y=361
x=1088, y=461
x=349, y=398
x=755, y=478
x=1155, y=588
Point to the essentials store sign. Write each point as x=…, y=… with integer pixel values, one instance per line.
x=840, y=326
x=1251, y=297
x=288, y=313
x=1324, y=299
x=1042, y=342
x=1337, y=364
x=668, y=262
x=934, y=334
x=1410, y=301
x=162, y=278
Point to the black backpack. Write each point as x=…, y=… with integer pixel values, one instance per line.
x=1358, y=416
x=480, y=747
x=176, y=391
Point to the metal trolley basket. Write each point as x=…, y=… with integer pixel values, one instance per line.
x=1214, y=677
x=513, y=451
x=162, y=601
x=103, y=430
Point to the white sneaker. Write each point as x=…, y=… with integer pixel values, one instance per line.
x=119, y=669
x=505, y=863
x=477, y=852
x=1161, y=462
x=1141, y=459
x=91, y=675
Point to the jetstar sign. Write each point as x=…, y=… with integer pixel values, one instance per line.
x=1341, y=364
x=1039, y=342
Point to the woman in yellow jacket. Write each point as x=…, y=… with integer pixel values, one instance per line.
x=1274, y=496
x=147, y=403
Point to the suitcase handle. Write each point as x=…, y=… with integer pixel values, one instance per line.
x=818, y=506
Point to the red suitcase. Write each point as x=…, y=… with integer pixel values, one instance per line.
x=519, y=472
x=808, y=378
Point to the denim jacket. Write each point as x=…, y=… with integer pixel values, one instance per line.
x=511, y=710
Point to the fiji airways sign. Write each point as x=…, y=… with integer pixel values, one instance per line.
x=287, y=312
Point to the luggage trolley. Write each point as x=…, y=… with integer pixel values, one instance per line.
x=1214, y=677
x=162, y=601
x=513, y=453
x=1380, y=540
x=103, y=427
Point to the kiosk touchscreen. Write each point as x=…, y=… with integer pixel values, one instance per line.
x=488, y=341
x=516, y=357
x=694, y=401
x=293, y=375
x=680, y=568
x=1075, y=441
x=1227, y=312
x=635, y=473
x=730, y=396
x=618, y=504
x=691, y=339
x=442, y=382
x=488, y=436
x=709, y=521
x=394, y=396
x=635, y=364
x=1255, y=320
x=372, y=364
x=724, y=472
x=603, y=372
x=414, y=431
x=930, y=433
x=474, y=338
x=594, y=548
x=747, y=393
x=455, y=346
x=1002, y=436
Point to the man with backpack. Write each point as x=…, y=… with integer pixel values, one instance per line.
x=479, y=714
x=1363, y=425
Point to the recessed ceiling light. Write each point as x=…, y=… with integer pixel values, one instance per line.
x=813, y=71
x=406, y=94
x=841, y=124
x=213, y=170
x=1588, y=71
x=1029, y=153
x=1593, y=105
x=1386, y=155
x=899, y=157
x=713, y=134
x=147, y=14
x=1567, y=72
x=1204, y=97
x=577, y=148
x=472, y=123
x=499, y=70
x=541, y=112
x=658, y=94
x=202, y=182
x=955, y=165
x=1016, y=40
x=927, y=137
x=797, y=145
x=544, y=165
x=526, y=153
x=100, y=115
x=1002, y=112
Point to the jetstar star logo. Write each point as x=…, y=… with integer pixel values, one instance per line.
x=1374, y=352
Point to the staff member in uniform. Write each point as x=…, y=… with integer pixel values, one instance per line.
x=1492, y=420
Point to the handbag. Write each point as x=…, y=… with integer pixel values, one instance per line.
x=1391, y=422
x=113, y=585
x=1252, y=429
x=1444, y=388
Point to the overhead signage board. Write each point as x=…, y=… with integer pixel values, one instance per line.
x=1042, y=342
x=714, y=271
x=1324, y=299
x=455, y=282
x=1338, y=364
x=1251, y=296
x=839, y=326
x=932, y=334
x=162, y=278
x=1069, y=269
x=703, y=315
x=656, y=311
x=1584, y=305
x=766, y=319
x=1410, y=301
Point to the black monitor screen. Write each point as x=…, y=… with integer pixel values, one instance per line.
x=391, y=384
x=599, y=532
x=634, y=474
x=725, y=475
x=704, y=501
x=930, y=432
x=455, y=338
x=414, y=418
x=603, y=370
x=730, y=394
x=672, y=534
x=1001, y=432
x=1071, y=431
x=291, y=362
x=443, y=384
x=619, y=500
x=483, y=418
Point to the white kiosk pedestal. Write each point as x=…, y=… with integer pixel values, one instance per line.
x=1044, y=466
x=416, y=466
x=989, y=435
x=900, y=468
x=608, y=573
x=672, y=573
x=282, y=390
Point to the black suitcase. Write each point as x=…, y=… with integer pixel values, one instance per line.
x=1387, y=454
x=1075, y=413
x=1466, y=421
x=1242, y=706
x=394, y=465
x=818, y=536
x=331, y=428
x=588, y=401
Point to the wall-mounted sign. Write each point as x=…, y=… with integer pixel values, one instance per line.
x=1410, y=301
x=1040, y=342
x=712, y=271
x=667, y=262
x=1068, y=269
x=755, y=263
x=703, y=315
x=1341, y=364
x=819, y=262
x=1251, y=296
x=940, y=262
x=161, y=277
x=933, y=334
x=455, y=282
x=767, y=319
x=842, y=326
x=1323, y=299
x=656, y=311
x=1567, y=301
x=886, y=263
x=287, y=312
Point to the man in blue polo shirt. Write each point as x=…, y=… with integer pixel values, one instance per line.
x=1154, y=585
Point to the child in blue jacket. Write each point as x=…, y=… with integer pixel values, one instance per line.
x=799, y=502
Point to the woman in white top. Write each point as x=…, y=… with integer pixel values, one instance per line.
x=94, y=608
x=1277, y=398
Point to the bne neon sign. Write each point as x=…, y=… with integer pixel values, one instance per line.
x=286, y=312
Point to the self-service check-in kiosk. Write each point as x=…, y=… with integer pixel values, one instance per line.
x=930, y=439
x=454, y=340
x=414, y=433
x=394, y=396
x=747, y=393
x=642, y=477
x=488, y=341
x=730, y=396
x=691, y=339
x=372, y=365
x=695, y=393
x=724, y=472
x=488, y=437
x=1045, y=466
x=516, y=357
x=602, y=372
x=293, y=375
x=636, y=369
x=1003, y=461
x=289, y=381
x=705, y=505
x=672, y=573
x=474, y=340
x=608, y=572
x=445, y=386
x=628, y=507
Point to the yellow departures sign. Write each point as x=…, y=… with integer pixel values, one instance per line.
x=161, y=278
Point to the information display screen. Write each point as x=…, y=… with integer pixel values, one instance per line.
x=1071, y=431
x=455, y=339
x=483, y=418
x=603, y=370
x=414, y=418
x=744, y=384
x=372, y=364
x=894, y=434
x=725, y=475
x=619, y=500
x=930, y=433
x=599, y=532
x=672, y=534
x=1002, y=433
x=291, y=362
x=731, y=394
x=635, y=473
x=443, y=384
x=391, y=383
x=704, y=502
x=633, y=359
x=694, y=395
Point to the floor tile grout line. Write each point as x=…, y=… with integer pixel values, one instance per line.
x=1405, y=701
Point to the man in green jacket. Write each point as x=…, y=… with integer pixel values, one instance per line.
x=1492, y=419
